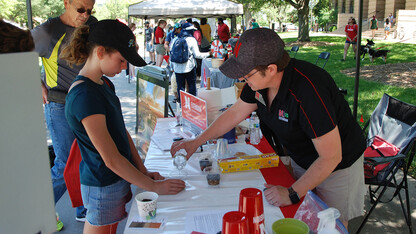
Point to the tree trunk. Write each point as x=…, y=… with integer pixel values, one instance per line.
x=303, y=12
x=247, y=17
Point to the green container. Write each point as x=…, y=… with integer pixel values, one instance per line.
x=290, y=226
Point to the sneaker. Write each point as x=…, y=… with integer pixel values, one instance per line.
x=154, y=63
x=81, y=217
x=59, y=224
x=150, y=63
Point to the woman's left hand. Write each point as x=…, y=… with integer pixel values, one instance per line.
x=155, y=176
x=277, y=195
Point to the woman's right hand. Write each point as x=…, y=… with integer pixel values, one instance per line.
x=190, y=147
x=169, y=187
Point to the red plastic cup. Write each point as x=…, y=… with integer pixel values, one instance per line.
x=234, y=222
x=251, y=204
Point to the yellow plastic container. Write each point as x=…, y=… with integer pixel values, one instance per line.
x=248, y=162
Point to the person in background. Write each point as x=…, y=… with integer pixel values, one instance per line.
x=132, y=27
x=300, y=108
x=197, y=33
x=392, y=19
x=169, y=38
x=223, y=31
x=351, y=31
x=49, y=37
x=171, y=35
x=149, y=38
x=186, y=72
x=374, y=27
x=160, y=36
x=387, y=27
x=206, y=30
x=254, y=24
x=198, y=36
x=14, y=39
x=110, y=160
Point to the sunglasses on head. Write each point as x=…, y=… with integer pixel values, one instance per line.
x=82, y=11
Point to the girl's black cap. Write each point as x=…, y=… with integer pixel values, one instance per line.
x=114, y=34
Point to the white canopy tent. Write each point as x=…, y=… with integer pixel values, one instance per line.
x=151, y=9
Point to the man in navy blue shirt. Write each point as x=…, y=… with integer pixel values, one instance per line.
x=169, y=38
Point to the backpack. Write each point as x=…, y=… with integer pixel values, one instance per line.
x=179, y=52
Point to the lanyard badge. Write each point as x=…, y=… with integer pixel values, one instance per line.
x=260, y=98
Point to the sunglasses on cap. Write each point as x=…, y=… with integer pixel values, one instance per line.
x=82, y=11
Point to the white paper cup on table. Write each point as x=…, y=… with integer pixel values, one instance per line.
x=147, y=204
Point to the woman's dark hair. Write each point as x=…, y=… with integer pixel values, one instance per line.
x=79, y=48
x=387, y=21
x=281, y=64
x=203, y=21
x=14, y=39
x=354, y=21
x=196, y=25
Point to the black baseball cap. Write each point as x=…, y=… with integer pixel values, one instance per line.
x=114, y=34
x=256, y=47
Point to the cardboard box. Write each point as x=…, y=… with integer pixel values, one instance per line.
x=248, y=162
x=239, y=87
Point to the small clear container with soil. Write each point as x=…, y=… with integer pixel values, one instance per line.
x=205, y=160
x=213, y=176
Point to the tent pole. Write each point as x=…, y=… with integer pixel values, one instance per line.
x=29, y=14
x=144, y=37
x=357, y=59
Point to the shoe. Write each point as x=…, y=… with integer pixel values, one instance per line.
x=81, y=217
x=154, y=63
x=150, y=63
x=59, y=224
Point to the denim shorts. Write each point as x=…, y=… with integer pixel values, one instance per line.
x=150, y=47
x=106, y=205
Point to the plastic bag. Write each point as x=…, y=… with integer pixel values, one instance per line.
x=308, y=213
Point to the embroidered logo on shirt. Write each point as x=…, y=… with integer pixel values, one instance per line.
x=260, y=98
x=284, y=116
x=237, y=48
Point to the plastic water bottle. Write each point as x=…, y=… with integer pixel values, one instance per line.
x=179, y=121
x=254, y=129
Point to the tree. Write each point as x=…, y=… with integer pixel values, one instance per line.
x=16, y=10
x=250, y=7
x=325, y=14
x=280, y=14
x=302, y=6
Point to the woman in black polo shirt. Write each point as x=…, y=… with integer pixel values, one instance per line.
x=301, y=109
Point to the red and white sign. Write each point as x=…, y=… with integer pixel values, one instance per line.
x=194, y=110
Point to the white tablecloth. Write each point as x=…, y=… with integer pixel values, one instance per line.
x=218, y=79
x=198, y=195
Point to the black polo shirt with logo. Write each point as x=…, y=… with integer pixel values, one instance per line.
x=308, y=105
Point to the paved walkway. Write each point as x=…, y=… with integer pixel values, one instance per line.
x=387, y=218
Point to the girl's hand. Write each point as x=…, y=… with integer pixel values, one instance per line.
x=155, y=176
x=169, y=187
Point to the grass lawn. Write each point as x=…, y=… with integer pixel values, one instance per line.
x=370, y=92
